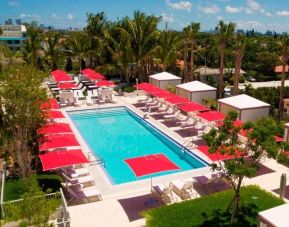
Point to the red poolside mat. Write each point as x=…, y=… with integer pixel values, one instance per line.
x=150, y=164
x=59, y=159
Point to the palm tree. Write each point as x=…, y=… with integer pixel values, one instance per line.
x=78, y=45
x=283, y=44
x=142, y=33
x=95, y=29
x=52, y=49
x=1, y=31
x=224, y=32
x=32, y=45
x=167, y=51
x=190, y=34
x=240, y=42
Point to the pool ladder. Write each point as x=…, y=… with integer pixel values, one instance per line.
x=93, y=160
x=184, y=144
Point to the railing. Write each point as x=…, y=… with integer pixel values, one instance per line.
x=93, y=160
x=184, y=144
x=65, y=217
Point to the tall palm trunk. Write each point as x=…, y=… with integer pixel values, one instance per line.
x=238, y=63
x=186, y=62
x=192, y=76
x=221, y=70
x=281, y=99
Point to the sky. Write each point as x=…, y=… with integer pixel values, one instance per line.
x=261, y=15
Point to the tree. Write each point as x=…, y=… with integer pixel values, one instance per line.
x=78, y=45
x=20, y=96
x=283, y=44
x=240, y=42
x=142, y=33
x=1, y=31
x=224, y=33
x=190, y=34
x=32, y=45
x=68, y=65
x=260, y=143
x=52, y=49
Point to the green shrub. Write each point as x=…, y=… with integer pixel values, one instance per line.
x=211, y=210
x=129, y=89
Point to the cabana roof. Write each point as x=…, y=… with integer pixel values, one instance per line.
x=196, y=86
x=165, y=76
x=277, y=216
x=243, y=102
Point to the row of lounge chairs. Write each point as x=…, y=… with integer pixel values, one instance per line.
x=80, y=184
x=178, y=190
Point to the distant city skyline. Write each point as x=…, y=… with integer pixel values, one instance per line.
x=261, y=15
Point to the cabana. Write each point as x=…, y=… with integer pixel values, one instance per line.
x=162, y=80
x=277, y=216
x=196, y=91
x=248, y=108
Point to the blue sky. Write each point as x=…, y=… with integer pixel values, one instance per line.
x=261, y=15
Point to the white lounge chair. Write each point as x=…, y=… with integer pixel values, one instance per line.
x=89, y=101
x=184, y=189
x=80, y=193
x=75, y=172
x=172, y=116
x=78, y=180
x=164, y=193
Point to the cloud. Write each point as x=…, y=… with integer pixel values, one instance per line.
x=181, y=5
x=230, y=9
x=167, y=17
x=220, y=18
x=210, y=9
x=282, y=13
x=248, y=25
x=70, y=16
x=253, y=5
x=14, y=3
x=29, y=16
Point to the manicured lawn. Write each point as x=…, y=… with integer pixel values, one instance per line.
x=211, y=210
x=15, y=187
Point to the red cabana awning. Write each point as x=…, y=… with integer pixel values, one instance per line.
x=67, y=85
x=212, y=116
x=60, y=159
x=104, y=83
x=50, y=104
x=217, y=156
x=150, y=164
x=92, y=74
x=53, y=128
x=192, y=107
x=60, y=76
x=175, y=100
x=53, y=114
x=58, y=141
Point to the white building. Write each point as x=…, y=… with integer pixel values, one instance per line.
x=162, y=80
x=196, y=91
x=13, y=35
x=247, y=107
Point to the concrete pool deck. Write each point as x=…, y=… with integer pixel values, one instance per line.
x=110, y=212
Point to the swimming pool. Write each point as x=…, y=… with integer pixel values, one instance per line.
x=116, y=134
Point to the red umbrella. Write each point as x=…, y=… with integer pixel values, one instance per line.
x=162, y=94
x=175, y=100
x=192, y=107
x=50, y=104
x=104, y=83
x=53, y=114
x=53, y=128
x=212, y=116
x=58, y=141
x=59, y=76
x=60, y=159
x=150, y=164
x=92, y=75
x=143, y=85
x=217, y=156
x=68, y=85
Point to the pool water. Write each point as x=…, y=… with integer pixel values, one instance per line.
x=116, y=134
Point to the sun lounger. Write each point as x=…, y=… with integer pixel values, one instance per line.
x=75, y=173
x=85, y=193
x=208, y=181
x=172, y=116
x=78, y=180
x=184, y=189
x=164, y=193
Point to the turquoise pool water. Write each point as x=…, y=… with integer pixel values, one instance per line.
x=115, y=134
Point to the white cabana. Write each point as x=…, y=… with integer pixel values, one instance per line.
x=196, y=91
x=162, y=80
x=277, y=216
x=248, y=108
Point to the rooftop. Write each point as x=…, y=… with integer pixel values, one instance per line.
x=243, y=102
x=277, y=216
x=165, y=76
x=195, y=86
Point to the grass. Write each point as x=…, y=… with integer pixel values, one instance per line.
x=15, y=187
x=211, y=210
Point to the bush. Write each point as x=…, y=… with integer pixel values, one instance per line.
x=211, y=210
x=129, y=89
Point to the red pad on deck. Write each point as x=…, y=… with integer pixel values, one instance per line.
x=150, y=164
